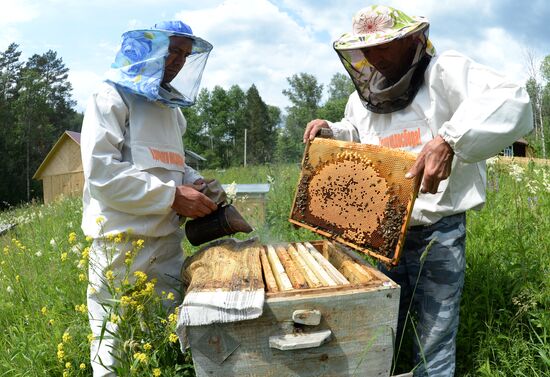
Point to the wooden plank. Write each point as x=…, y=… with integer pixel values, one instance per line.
x=283, y=282
x=310, y=277
x=354, y=272
x=331, y=270
x=319, y=271
x=269, y=278
x=296, y=278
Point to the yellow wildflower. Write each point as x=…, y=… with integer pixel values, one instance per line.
x=118, y=238
x=68, y=365
x=170, y=296
x=109, y=275
x=125, y=300
x=139, y=243
x=72, y=237
x=66, y=373
x=100, y=220
x=89, y=239
x=173, y=318
x=141, y=277
x=141, y=357
x=140, y=308
x=115, y=318
x=82, y=366
x=82, y=308
x=60, y=355
x=90, y=337
x=66, y=337
x=147, y=346
x=173, y=338
x=17, y=278
x=85, y=253
x=51, y=322
x=44, y=310
x=156, y=372
x=63, y=257
x=60, y=346
x=81, y=277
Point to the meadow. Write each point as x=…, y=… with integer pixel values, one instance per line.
x=505, y=311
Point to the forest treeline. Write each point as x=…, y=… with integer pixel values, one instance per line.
x=36, y=107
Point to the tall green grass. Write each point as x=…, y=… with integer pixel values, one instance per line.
x=505, y=312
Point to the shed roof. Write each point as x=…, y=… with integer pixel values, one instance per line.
x=75, y=136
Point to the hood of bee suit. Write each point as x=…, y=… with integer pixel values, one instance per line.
x=372, y=27
x=140, y=63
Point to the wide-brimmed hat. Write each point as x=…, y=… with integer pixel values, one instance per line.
x=378, y=24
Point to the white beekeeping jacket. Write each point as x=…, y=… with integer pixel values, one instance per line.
x=133, y=159
x=476, y=110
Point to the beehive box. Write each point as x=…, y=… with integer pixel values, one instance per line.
x=357, y=195
x=342, y=329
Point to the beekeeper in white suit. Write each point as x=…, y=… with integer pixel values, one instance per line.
x=454, y=113
x=136, y=179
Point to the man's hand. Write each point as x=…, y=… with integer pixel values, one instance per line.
x=433, y=163
x=190, y=202
x=313, y=127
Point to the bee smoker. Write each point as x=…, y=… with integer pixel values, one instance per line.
x=224, y=221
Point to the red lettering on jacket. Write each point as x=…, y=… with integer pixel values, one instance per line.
x=402, y=139
x=167, y=157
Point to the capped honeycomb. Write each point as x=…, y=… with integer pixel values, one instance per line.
x=356, y=194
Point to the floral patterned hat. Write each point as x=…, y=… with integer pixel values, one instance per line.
x=378, y=24
x=139, y=64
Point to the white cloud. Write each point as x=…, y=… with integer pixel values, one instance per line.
x=84, y=83
x=16, y=11
x=257, y=43
x=497, y=49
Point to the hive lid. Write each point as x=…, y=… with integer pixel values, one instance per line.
x=357, y=195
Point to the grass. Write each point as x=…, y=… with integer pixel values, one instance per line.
x=505, y=312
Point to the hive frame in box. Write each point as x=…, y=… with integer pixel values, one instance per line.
x=386, y=182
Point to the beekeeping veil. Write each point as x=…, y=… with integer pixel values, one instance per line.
x=379, y=25
x=140, y=63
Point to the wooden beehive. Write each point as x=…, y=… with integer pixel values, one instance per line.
x=357, y=195
x=340, y=321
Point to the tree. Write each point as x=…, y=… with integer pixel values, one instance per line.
x=35, y=109
x=304, y=94
x=340, y=87
x=539, y=94
x=261, y=132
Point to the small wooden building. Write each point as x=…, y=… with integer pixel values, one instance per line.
x=520, y=148
x=61, y=171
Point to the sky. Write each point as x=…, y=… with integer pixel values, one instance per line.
x=264, y=42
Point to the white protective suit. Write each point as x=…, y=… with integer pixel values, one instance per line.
x=476, y=110
x=131, y=176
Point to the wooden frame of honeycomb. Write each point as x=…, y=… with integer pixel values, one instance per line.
x=356, y=194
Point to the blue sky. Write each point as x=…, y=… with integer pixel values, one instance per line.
x=263, y=42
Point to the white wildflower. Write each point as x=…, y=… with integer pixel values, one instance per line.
x=53, y=243
x=516, y=172
x=9, y=289
x=270, y=179
x=492, y=161
x=231, y=192
x=38, y=253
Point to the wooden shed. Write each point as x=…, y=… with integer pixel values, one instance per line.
x=61, y=171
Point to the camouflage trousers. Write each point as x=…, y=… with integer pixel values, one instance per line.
x=436, y=301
